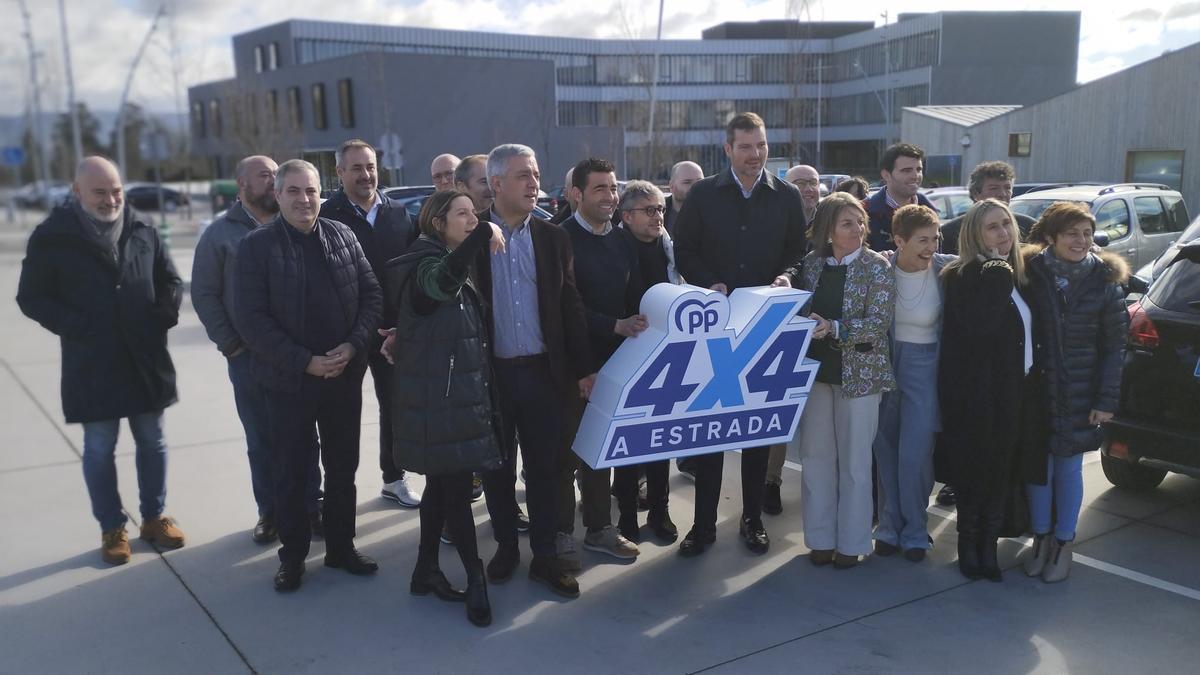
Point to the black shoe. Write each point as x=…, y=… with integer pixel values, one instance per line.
x=503, y=563
x=662, y=527
x=432, y=579
x=772, y=502
x=352, y=561
x=914, y=554
x=755, y=535
x=317, y=524
x=882, y=548
x=264, y=530
x=479, y=609
x=628, y=527
x=989, y=565
x=695, y=543
x=547, y=571
x=842, y=561
x=946, y=496
x=522, y=521
x=687, y=467
x=287, y=579
x=445, y=536
x=968, y=556
x=476, y=487
x=821, y=557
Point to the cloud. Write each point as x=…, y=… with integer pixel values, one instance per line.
x=1182, y=10
x=1144, y=14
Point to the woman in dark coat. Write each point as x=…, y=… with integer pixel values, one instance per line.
x=443, y=413
x=983, y=380
x=1078, y=304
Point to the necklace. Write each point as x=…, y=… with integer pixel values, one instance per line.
x=910, y=303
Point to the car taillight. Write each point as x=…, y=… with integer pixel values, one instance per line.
x=1142, y=332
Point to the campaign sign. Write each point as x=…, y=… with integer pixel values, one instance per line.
x=710, y=373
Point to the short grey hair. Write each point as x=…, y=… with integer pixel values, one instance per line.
x=463, y=171
x=354, y=143
x=292, y=166
x=637, y=190
x=497, y=159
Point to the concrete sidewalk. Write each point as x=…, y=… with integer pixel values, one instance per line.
x=1132, y=603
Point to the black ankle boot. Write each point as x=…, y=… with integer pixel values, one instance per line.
x=968, y=555
x=425, y=580
x=989, y=565
x=479, y=610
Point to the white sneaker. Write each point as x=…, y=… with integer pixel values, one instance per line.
x=609, y=540
x=399, y=492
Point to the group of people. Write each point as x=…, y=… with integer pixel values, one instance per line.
x=988, y=365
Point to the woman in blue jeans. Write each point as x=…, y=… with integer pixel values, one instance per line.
x=908, y=415
x=1079, y=312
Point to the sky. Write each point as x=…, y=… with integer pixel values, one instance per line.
x=194, y=42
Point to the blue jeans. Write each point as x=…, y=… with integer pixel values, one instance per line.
x=908, y=419
x=100, y=467
x=251, y=401
x=1063, y=489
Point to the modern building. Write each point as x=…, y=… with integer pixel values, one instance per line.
x=831, y=93
x=1136, y=125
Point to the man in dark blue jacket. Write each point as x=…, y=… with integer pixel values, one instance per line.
x=902, y=169
x=384, y=232
x=307, y=305
x=96, y=275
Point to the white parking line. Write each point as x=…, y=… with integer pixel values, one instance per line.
x=1086, y=561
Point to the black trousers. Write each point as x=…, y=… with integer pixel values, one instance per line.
x=981, y=510
x=333, y=408
x=447, y=500
x=594, y=484
x=532, y=407
x=708, y=485
x=625, y=485
x=381, y=377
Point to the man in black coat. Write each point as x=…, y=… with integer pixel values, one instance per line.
x=384, y=231
x=739, y=227
x=96, y=275
x=989, y=180
x=307, y=304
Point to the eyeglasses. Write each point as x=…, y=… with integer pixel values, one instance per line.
x=650, y=211
x=806, y=183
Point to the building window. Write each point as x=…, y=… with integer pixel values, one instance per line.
x=273, y=56
x=252, y=113
x=198, y=119
x=1019, y=144
x=258, y=58
x=272, y=102
x=346, y=103
x=295, y=115
x=318, y=106
x=214, y=117
x=1155, y=166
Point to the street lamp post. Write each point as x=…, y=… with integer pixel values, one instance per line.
x=39, y=129
x=76, y=135
x=125, y=92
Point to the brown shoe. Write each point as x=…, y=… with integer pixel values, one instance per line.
x=114, y=546
x=162, y=531
x=821, y=556
x=842, y=561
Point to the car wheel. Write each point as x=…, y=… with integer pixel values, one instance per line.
x=1131, y=476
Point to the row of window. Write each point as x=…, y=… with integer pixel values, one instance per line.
x=914, y=51
x=246, y=114
x=777, y=113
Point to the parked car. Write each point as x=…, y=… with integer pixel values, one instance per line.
x=413, y=203
x=408, y=191
x=1151, y=270
x=1140, y=220
x=950, y=202
x=145, y=197
x=830, y=180
x=1022, y=188
x=42, y=195
x=1157, y=427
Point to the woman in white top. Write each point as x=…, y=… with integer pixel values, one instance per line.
x=908, y=416
x=989, y=394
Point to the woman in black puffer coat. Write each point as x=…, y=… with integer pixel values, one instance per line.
x=1079, y=311
x=443, y=416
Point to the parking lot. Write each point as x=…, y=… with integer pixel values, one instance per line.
x=1132, y=603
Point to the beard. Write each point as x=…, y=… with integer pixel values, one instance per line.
x=265, y=202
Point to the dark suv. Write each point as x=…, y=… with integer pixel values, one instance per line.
x=1157, y=428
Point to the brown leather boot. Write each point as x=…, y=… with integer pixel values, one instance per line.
x=114, y=546
x=163, y=532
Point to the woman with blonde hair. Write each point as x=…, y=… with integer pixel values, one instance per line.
x=985, y=387
x=852, y=302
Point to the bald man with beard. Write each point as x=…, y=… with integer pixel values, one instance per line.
x=97, y=276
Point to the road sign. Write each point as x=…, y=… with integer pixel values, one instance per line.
x=710, y=373
x=391, y=151
x=12, y=155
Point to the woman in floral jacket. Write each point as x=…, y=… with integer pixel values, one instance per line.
x=852, y=303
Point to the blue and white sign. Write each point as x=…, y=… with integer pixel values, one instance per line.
x=12, y=155
x=710, y=373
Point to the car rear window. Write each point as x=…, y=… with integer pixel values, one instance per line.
x=1030, y=207
x=1178, y=289
x=1151, y=217
x=1177, y=215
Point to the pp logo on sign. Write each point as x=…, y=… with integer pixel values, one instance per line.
x=710, y=373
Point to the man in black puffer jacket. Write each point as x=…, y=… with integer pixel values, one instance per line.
x=96, y=275
x=307, y=305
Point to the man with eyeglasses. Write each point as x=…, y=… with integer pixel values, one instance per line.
x=808, y=180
